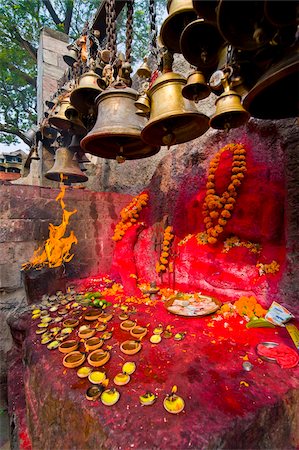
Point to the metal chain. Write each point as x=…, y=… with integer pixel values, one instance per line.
x=111, y=29
x=153, y=29
x=129, y=30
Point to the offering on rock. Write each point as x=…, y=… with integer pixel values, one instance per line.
x=68, y=346
x=73, y=359
x=130, y=347
x=192, y=305
x=97, y=377
x=84, y=371
x=129, y=368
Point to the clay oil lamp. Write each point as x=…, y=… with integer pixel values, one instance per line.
x=46, y=319
x=110, y=396
x=35, y=316
x=46, y=338
x=85, y=333
x=158, y=330
x=129, y=367
x=93, y=343
x=54, y=330
x=107, y=335
x=138, y=332
x=167, y=334
x=44, y=313
x=173, y=403
x=101, y=326
x=147, y=399
x=36, y=311
x=72, y=323
x=41, y=331
x=105, y=317
x=67, y=330
x=123, y=316
x=98, y=358
x=62, y=311
x=53, y=308
x=92, y=314
x=73, y=359
x=42, y=325
x=179, y=336
x=94, y=392
x=130, y=347
x=127, y=325
x=155, y=339
x=53, y=345
x=58, y=319
x=121, y=379
x=68, y=346
x=84, y=371
x=97, y=377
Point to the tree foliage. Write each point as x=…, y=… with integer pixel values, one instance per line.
x=20, y=25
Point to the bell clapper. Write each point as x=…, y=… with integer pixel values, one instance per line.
x=120, y=158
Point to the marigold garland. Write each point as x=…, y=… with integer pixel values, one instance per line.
x=234, y=241
x=273, y=267
x=162, y=265
x=217, y=210
x=248, y=306
x=129, y=215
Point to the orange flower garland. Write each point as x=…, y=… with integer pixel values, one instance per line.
x=129, y=216
x=217, y=210
x=162, y=265
x=248, y=306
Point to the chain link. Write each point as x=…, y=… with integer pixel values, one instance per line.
x=153, y=29
x=129, y=30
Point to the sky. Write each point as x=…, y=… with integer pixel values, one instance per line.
x=13, y=147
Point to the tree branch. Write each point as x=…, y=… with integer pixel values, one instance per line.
x=25, y=44
x=5, y=128
x=22, y=74
x=52, y=12
x=68, y=16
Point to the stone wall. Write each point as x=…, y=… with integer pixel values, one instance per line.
x=25, y=213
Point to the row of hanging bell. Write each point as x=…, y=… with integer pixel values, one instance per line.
x=66, y=117
x=66, y=168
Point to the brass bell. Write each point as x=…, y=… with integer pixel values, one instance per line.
x=144, y=71
x=173, y=118
x=65, y=168
x=72, y=56
x=143, y=103
x=275, y=95
x=180, y=13
x=196, y=88
x=281, y=14
x=200, y=43
x=67, y=118
x=206, y=9
x=117, y=127
x=83, y=96
x=229, y=110
x=243, y=24
x=34, y=154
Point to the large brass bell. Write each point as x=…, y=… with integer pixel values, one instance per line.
x=173, y=118
x=243, y=23
x=206, y=9
x=83, y=96
x=196, y=88
x=229, y=110
x=144, y=71
x=117, y=129
x=200, y=43
x=72, y=56
x=275, y=95
x=65, y=168
x=180, y=13
x=66, y=117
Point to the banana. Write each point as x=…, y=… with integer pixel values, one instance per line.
x=259, y=323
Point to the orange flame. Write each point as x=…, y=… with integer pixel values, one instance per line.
x=56, y=249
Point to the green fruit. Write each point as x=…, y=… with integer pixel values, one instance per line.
x=259, y=323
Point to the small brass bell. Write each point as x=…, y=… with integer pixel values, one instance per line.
x=275, y=95
x=180, y=13
x=83, y=96
x=229, y=110
x=200, y=43
x=118, y=127
x=144, y=71
x=67, y=118
x=72, y=56
x=173, y=118
x=196, y=88
x=34, y=154
x=243, y=24
x=206, y=9
x=66, y=168
x=81, y=157
x=143, y=103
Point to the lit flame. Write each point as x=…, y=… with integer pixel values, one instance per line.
x=56, y=249
x=174, y=389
